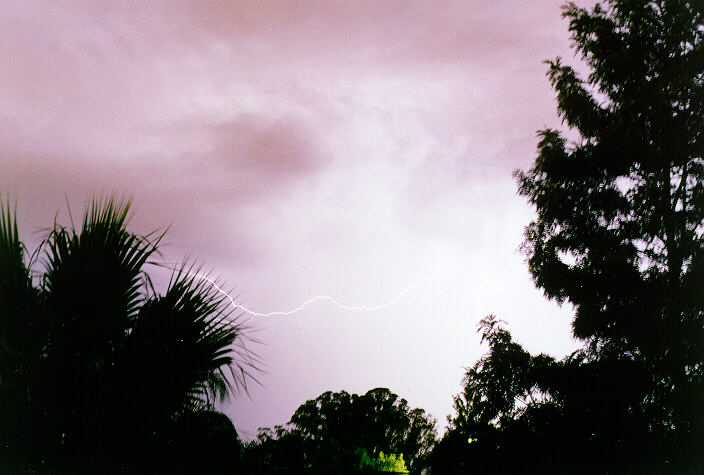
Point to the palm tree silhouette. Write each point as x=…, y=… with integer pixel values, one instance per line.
x=97, y=367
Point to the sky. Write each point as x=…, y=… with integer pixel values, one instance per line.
x=361, y=151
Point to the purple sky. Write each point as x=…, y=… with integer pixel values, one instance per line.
x=303, y=149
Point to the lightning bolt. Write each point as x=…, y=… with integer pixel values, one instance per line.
x=328, y=298
x=484, y=286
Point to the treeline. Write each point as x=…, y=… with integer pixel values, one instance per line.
x=100, y=373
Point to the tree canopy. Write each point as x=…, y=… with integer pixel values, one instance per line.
x=382, y=463
x=333, y=430
x=619, y=236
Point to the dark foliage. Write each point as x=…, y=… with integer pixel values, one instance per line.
x=204, y=442
x=618, y=235
x=328, y=432
x=536, y=414
x=98, y=372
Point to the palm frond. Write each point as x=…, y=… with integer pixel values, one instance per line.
x=189, y=333
x=16, y=294
x=94, y=277
x=21, y=341
x=106, y=360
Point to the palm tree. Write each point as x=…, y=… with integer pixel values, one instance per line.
x=96, y=367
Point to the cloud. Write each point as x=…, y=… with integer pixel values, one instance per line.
x=227, y=167
x=273, y=151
